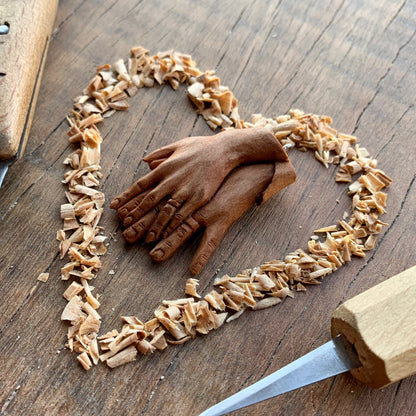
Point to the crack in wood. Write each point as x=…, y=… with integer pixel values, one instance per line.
x=14, y=204
x=130, y=11
x=272, y=29
x=107, y=9
x=286, y=334
x=395, y=15
x=15, y=391
x=159, y=382
x=49, y=135
x=378, y=85
x=59, y=27
x=396, y=393
x=226, y=41
x=327, y=395
x=20, y=307
x=308, y=52
x=410, y=107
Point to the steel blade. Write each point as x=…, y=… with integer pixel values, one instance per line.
x=330, y=359
x=4, y=165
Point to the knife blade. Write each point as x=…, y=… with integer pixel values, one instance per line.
x=374, y=338
x=25, y=30
x=334, y=357
x=4, y=165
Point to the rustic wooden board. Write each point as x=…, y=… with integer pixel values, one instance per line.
x=352, y=61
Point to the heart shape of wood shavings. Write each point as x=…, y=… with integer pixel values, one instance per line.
x=177, y=321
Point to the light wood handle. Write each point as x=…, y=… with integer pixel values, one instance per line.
x=22, y=56
x=381, y=324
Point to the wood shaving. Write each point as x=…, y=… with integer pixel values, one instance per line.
x=190, y=288
x=43, y=277
x=179, y=320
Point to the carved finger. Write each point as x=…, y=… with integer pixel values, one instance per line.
x=138, y=230
x=165, y=215
x=150, y=201
x=189, y=207
x=155, y=163
x=167, y=247
x=137, y=188
x=162, y=153
x=129, y=206
x=209, y=242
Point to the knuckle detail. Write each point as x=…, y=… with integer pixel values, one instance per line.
x=150, y=198
x=184, y=230
x=212, y=244
x=203, y=259
x=168, y=244
x=140, y=226
x=192, y=223
x=174, y=203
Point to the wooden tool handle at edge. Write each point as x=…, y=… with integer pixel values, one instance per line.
x=22, y=57
x=381, y=324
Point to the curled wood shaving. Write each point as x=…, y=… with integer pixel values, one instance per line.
x=190, y=289
x=123, y=357
x=179, y=320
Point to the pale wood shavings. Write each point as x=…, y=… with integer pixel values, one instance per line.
x=84, y=360
x=191, y=285
x=123, y=357
x=73, y=310
x=43, y=277
x=73, y=289
x=176, y=321
x=91, y=325
x=144, y=347
x=266, y=303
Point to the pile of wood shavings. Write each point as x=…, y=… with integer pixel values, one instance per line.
x=177, y=321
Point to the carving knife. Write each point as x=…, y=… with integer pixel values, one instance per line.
x=25, y=31
x=374, y=338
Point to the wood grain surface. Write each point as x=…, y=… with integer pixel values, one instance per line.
x=352, y=60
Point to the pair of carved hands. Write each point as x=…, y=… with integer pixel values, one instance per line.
x=200, y=182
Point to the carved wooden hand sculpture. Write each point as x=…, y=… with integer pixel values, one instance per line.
x=188, y=176
x=191, y=170
x=236, y=195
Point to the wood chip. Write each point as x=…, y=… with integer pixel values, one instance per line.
x=190, y=288
x=123, y=357
x=72, y=290
x=43, y=277
x=84, y=360
x=266, y=303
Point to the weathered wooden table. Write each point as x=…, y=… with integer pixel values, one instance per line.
x=354, y=61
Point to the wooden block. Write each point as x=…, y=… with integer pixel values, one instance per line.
x=380, y=322
x=22, y=57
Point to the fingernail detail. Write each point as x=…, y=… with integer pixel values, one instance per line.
x=150, y=237
x=114, y=203
x=128, y=220
x=157, y=254
x=196, y=268
x=130, y=233
x=122, y=212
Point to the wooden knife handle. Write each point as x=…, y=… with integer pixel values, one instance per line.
x=22, y=56
x=381, y=324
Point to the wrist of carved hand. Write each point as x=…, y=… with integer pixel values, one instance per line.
x=251, y=145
